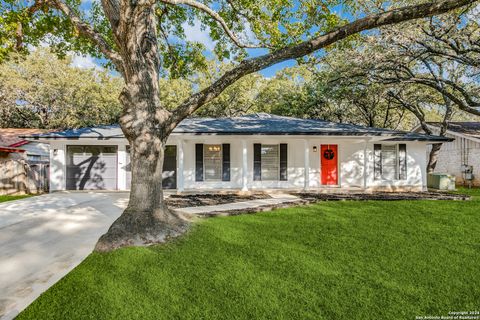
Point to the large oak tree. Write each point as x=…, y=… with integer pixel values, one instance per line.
x=144, y=40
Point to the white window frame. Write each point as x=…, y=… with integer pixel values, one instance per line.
x=205, y=146
x=277, y=145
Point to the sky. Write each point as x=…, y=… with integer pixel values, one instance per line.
x=195, y=33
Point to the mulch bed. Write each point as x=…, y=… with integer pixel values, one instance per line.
x=182, y=201
x=308, y=198
x=209, y=199
x=385, y=196
x=254, y=210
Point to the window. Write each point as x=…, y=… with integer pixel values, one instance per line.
x=34, y=157
x=270, y=167
x=212, y=161
x=389, y=162
x=270, y=162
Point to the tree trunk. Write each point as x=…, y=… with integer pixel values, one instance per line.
x=433, y=157
x=147, y=219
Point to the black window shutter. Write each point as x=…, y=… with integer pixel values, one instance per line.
x=199, y=162
x=283, y=162
x=377, y=158
x=257, y=162
x=402, y=159
x=226, y=162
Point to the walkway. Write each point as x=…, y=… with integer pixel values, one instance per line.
x=275, y=200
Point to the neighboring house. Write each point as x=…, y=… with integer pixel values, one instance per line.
x=23, y=163
x=463, y=151
x=253, y=152
x=35, y=151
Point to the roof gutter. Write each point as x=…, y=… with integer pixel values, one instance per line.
x=382, y=136
x=11, y=150
x=19, y=144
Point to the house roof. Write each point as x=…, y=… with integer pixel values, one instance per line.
x=11, y=137
x=253, y=124
x=466, y=128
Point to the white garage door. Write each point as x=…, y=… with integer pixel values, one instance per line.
x=91, y=167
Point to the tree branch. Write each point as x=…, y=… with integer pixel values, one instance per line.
x=19, y=32
x=304, y=48
x=214, y=15
x=418, y=112
x=454, y=49
x=466, y=95
x=462, y=105
x=87, y=31
x=237, y=10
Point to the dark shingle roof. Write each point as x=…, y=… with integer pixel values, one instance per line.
x=254, y=124
x=466, y=128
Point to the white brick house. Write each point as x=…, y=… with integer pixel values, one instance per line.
x=254, y=152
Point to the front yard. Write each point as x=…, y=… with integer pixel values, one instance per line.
x=4, y=198
x=332, y=260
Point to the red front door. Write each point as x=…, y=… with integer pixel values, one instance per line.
x=329, y=164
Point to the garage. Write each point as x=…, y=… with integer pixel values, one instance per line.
x=169, y=176
x=91, y=167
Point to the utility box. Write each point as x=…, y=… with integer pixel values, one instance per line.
x=441, y=181
x=468, y=176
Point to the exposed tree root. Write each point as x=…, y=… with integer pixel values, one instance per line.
x=135, y=228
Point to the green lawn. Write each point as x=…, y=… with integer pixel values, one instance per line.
x=10, y=198
x=333, y=260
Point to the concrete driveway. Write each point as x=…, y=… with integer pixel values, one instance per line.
x=42, y=238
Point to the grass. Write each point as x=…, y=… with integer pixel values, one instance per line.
x=4, y=198
x=333, y=260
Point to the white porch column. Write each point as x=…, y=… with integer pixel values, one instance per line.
x=122, y=167
x=365, y=164
x=180, y=175
x=306, y=165
x=423, y=166
x=58, y=167
x=244, y=166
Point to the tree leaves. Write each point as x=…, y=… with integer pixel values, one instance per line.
x=44, y=92
x=268, y=23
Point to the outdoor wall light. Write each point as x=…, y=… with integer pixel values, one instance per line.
x=55, y=152
x=315, y=149
x=214, y=148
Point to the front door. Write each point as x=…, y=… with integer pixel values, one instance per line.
x=329, y=164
